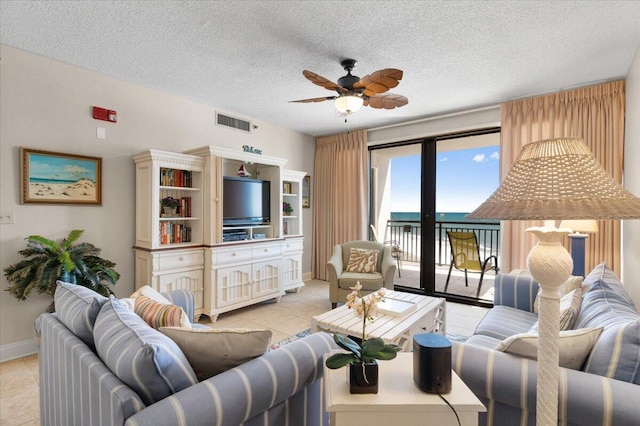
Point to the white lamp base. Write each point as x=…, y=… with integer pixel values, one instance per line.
x=550, y=264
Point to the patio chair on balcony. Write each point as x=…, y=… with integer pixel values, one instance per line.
x=465, y=256
x=396, y=251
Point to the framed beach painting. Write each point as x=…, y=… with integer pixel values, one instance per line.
x=56, y=178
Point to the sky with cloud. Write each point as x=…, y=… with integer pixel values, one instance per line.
x=465, y=179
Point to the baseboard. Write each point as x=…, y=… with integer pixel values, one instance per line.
x=18, y=350
x=306, y=276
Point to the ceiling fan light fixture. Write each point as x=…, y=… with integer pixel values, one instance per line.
x=349, y=103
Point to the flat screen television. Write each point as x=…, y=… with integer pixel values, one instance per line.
x=245, y=201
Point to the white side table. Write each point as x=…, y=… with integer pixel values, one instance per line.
x=398, y=401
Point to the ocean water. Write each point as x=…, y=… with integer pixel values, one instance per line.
x=50, y=181
x=458, y=217
x=486, y=229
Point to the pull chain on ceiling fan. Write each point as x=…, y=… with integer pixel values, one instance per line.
x=354, y=92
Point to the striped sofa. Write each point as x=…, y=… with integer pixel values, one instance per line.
x=281, y=387
x=605, y=390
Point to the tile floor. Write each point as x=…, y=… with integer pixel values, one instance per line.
x=19, y=399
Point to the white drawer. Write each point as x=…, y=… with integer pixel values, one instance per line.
x=227, y=256
x=266, y=251
x=180, y=260
x=291, y=246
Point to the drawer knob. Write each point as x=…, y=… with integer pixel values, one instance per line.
x=266, y=250
x=234, y=254
x=181, y=258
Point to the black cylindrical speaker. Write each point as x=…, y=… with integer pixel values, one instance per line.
x=432, y=363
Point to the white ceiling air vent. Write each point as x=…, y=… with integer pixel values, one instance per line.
x=234, y=123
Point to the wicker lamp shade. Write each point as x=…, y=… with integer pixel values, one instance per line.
x=558, y=179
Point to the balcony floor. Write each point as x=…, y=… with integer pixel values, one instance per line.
x=411, y=278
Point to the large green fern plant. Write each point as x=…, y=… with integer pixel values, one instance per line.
x=48, y=261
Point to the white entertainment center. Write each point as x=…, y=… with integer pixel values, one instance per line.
x=228, y=257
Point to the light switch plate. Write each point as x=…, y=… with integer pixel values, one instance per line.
x=7, y=216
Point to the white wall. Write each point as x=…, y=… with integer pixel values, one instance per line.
x=631, y=228
x=46, y=104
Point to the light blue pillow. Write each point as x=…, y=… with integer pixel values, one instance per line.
x=606, y=303
x=146, y=360
x=603, y=278
x=604, y=300
x=77, y=308
x=617, y=353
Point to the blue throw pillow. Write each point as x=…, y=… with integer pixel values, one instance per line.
x=77, y=308
x=617, y=353
x=146, y=360
x=606, y=304
x=604, y=300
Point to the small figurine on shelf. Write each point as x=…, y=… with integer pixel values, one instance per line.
x=287, y=209
x=242, y=172
x=169, y=205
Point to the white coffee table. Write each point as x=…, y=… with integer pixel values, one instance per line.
x=428, y=317
x=398, y=401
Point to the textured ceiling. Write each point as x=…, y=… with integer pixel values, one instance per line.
x=247, y=57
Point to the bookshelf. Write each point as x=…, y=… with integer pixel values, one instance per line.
x=161, y=175
x=292, y=195
x=292, y=230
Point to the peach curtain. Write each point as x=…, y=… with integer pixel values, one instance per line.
x=340, y=195
x=594, y=113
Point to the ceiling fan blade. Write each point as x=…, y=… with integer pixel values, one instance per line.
x=323, y=82
x=379, y=81
x=306, y=101
x=386, y=101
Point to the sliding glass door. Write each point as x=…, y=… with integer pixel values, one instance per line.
x=421, y=191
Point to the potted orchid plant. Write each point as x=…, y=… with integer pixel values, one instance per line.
x=361, y=356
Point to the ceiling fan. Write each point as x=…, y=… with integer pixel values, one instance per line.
x=354, y=92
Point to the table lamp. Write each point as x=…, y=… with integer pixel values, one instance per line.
x=554, y=179
x=578, y=238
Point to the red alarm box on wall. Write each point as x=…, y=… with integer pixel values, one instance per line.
x=105, y=114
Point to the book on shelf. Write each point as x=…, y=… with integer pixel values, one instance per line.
x=185, y=207
x=175, y=177
x=174, y=233
x=395, y=307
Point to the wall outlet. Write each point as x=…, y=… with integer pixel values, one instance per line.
x=7, y=216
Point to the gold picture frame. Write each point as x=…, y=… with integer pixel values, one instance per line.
x=306, y=192
x=57, y=178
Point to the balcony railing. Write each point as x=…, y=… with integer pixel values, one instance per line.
x=408, y=233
